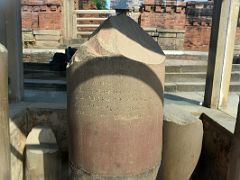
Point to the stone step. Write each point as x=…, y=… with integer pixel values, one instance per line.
x=36, y=66
x=194, y=87
x=194, y=77
x=60, y=85
x=37, y=84
x=193, y=68
x=44, y=74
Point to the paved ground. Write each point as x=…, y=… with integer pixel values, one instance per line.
x=179, y=98
x=196, y=98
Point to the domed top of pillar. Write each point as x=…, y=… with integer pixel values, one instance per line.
x=122, y=36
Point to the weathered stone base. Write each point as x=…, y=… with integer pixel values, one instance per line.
x=79, y=174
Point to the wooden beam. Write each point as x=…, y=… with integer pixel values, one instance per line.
x=225, y=16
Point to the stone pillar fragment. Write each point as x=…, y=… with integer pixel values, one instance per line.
x=115, y=104
x=182, y=143
x=5, y=172
x=42, y=155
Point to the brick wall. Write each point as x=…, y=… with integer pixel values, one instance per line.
x=42, y=14
x=164, y=15
x=168, y=19
x=194, y=18
x=42, y=23
x=197, y=38
x=177, y=25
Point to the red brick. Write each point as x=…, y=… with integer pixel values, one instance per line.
x=50, y=20
x=29, y=20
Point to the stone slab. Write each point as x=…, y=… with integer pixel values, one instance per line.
x=46, y=37
x=47, y=32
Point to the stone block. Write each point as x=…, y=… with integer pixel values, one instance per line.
x=47, y=38
x=163, y=42
x=182, y=143
x=179, y=44
x=42, y=155
x=28, y=36
x=47, y=32
x=167, y=35
x=47, y=44
x=180, y=35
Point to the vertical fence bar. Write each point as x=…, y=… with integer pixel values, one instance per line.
x=75, y=22
x=5, y=170
x=68, y=26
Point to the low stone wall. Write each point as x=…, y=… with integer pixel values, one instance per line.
x=168, y=39
x=41, y=38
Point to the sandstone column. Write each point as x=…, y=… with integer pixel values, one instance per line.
x=5, y=171
x=115, y=104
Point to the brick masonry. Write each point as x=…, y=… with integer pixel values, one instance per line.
x=44, y=16
x=194, y=18
x=177, y=25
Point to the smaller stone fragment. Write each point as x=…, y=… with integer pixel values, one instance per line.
x=42, y=155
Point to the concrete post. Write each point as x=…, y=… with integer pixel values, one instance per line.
x=225, y=16
x=68, y=6
x=5, y=171
x=14, y=45
x=2, y=24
